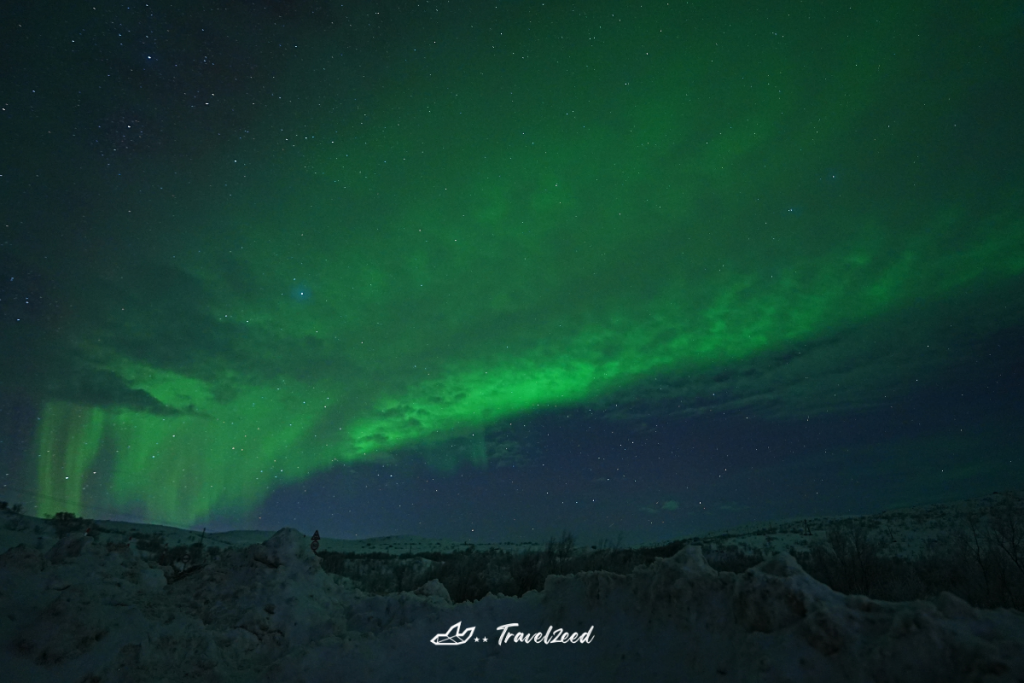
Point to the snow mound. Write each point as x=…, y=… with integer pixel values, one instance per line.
x=434, y=588
x=84, y=611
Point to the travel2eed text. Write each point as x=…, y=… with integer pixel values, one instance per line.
x=456, y=635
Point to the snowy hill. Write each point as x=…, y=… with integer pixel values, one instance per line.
x=95, y=607
x=905, y=530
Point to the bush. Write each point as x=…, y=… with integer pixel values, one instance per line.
x=380, y=573
x=470, y=574
x=151, y=543
x=985, y=562
x=67, y=522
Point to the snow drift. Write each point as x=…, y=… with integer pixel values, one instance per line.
x=82, y=612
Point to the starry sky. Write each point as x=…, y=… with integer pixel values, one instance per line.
x=495, y=270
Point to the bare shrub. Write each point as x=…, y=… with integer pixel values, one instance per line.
x=68, y=522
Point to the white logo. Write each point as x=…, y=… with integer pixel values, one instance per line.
x=454, y=636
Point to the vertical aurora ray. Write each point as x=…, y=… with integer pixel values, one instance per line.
x=170, y=468
x=206, y=463
x=68, y=439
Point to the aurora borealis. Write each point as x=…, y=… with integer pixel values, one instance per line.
x=494, y=270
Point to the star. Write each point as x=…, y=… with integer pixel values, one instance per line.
x=485, y=639
x=476, y=640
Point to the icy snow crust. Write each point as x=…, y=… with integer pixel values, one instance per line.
x=268, y=612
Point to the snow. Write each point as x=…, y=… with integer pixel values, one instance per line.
x=85, y=608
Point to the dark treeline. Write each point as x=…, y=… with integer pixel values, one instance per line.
x=979, y=558
x=470, y=574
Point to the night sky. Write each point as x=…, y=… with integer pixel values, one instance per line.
x=491, y=271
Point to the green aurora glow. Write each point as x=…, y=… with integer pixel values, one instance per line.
x=571, y=210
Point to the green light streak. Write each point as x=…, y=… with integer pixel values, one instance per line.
x=69, y=438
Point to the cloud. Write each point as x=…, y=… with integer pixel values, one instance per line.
x=853, y=369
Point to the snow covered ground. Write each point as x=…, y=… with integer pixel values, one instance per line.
x=91, y=608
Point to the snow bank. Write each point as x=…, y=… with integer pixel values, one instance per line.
x=268, y=612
